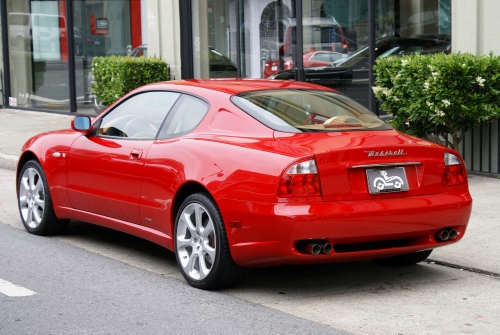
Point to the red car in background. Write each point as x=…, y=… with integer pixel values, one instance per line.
x=310, y=59
x=236, y=173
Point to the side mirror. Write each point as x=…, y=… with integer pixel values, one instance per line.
x=82, y=124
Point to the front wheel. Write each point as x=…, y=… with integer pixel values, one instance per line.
x=402, y=260
x=35, y=203
x=201, y=245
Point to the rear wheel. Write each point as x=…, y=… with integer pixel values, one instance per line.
x=201, y=245
x=408, y=259
x=35, y=203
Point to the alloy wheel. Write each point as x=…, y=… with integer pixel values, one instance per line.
x=196, y=241
x=32, y=197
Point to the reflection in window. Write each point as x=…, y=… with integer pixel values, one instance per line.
x=402, y=27
x=187, y=115
x=214, y=37
x=38, y=54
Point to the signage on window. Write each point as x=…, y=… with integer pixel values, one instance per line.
x=98, y=26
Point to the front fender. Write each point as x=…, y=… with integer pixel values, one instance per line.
x=51, y=151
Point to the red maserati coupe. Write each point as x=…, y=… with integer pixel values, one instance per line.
x=247, y=173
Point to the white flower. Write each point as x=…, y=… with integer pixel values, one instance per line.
x=446, y=102
x=385, y=91
x=404, y=62
x=463, y=65
x=435, y=74
x=398, y=76
x=426, y=85
x=430, y=104
x=480, y=81
x=430, y=67
x=440, y=112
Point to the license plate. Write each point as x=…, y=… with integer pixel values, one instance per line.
x=274, y=68
x=387, y=180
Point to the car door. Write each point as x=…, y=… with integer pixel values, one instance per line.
x=165, y=164
x=105, y=169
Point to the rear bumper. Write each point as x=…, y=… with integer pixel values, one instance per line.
x=264, y=234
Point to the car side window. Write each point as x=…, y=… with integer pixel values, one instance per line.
x=185, y=116
x=320, y=56
x=138, y=117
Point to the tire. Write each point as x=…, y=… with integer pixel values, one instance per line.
x=199, y=230
x=35, y=203
x=402, y=260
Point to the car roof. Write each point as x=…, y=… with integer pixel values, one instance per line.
x=234, y=85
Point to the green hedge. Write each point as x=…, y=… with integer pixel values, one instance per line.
x=115, y=76
x=439, y=96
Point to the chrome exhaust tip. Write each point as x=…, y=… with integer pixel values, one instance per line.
x=443, y=235
x=453, y=234
x=311, y=248
x=327, y=248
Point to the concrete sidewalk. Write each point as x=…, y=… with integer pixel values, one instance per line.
x=479, y=249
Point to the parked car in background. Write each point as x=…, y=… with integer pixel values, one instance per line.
x=310, y=59
x=247, y=173
x=356, y=66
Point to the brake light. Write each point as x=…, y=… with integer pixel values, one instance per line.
x=300, y=180
x=454, y=171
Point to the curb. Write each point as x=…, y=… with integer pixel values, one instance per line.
x=8, y=162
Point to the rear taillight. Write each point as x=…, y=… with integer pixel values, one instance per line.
x=300, y=180
x=454, y=171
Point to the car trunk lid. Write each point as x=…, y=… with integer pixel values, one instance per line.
x=394, y=164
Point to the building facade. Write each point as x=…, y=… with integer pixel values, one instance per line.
x=48, y=45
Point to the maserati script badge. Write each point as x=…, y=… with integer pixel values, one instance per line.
x=399, y=152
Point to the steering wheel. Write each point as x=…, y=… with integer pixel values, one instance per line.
x=140, y=127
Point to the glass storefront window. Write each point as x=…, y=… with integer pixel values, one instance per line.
x=2, y=94
x=267, y=37
x=38, y=47
x=38, y=54
x=214, y=38
x=101, y=28
x=402, y=27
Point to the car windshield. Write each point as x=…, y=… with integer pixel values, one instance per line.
x=307, y=111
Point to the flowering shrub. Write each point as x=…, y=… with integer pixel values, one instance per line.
x=439, y=95
x=115, y=76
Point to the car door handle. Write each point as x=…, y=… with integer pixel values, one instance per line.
x=136, y=154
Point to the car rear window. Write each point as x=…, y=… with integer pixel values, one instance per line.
x=307, y=111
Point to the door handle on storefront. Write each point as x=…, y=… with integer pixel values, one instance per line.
x=136, y=154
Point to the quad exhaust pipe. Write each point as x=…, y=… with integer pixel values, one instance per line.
x=446, y=234
x=316, y=248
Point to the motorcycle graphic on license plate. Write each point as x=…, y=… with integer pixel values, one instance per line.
x=387, y=180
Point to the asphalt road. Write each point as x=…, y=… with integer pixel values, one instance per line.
x=79, y=292
x=106, y=281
